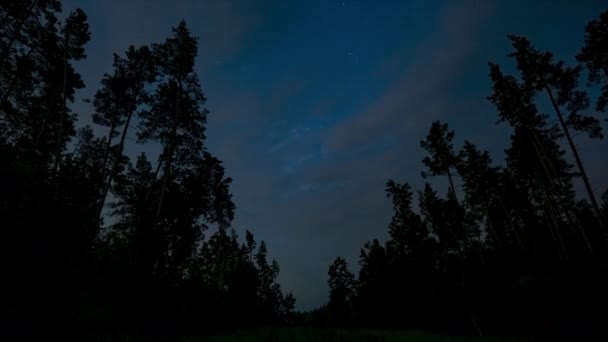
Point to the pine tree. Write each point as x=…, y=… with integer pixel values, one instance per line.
x=250, y=244
x=116, y=104
x=445, y=219
x=409, y=237
x=374, y=291
x=485, y=198
x=442, y=159
x=594, y=55
x=175, y=118
x=341, y=291
x=535, y=159
x=269, y=292
x=560, y=83
x=37, y=76
x=75, y=33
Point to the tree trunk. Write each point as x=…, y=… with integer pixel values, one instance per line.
x=552, y=218
x=63, y=113
x=9, y=90
x=158, y=167
x=452, y=184
x=511, y=222
x=220, y=279
x=578, y=160
x=552, y=176
x=108, y=183
x=171, y=151
x=106, y=153
x=44, y=121
x=149, y=192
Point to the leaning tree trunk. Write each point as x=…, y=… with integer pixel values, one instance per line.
x=514, y=226
x=452, y=188
x=49, y=109
x=121, y=146
x=106, y=153
x=577, y=158
x=115, y=163
x=552, y=177
x=551, y=193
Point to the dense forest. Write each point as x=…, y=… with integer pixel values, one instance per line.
x=98, y=241
x=514, y=250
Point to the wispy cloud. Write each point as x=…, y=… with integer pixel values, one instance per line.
x=311, y=138
x=417, y=92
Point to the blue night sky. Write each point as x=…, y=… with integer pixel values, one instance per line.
x=315, y=104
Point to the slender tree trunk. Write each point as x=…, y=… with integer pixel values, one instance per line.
x=44, y=121
x=452, y=184
x=577, y=158
x=9, y=90
x=63, y=113
x=106, y=154
x=76, y=149
x=552, y=192
x=158, y=167
x=491, y=226
x=474, y=321
x=121, y=146
x=149, y=192
x=511, y=222
x=550, y=214
x=220, y=280
x=167, y=172
x=552, y=176
x=115, y=163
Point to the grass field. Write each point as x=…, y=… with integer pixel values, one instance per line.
x=332, y=335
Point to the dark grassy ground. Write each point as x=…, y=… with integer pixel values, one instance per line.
x=332, y=335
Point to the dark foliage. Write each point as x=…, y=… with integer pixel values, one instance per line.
x=97, y=243
x=521, y=254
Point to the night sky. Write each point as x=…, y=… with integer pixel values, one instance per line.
x=315, y=104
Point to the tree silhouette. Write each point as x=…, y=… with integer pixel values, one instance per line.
x=560, y=83
x=594, y=55
x=535, y=158
x=518, y=243
x=520, y=253
x=442, y=159
x=373, y=295
x=178, y=100
x=117, y=102
x=341, y=290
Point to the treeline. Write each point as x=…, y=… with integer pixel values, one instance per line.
x=512, y=249
x=95, y=241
